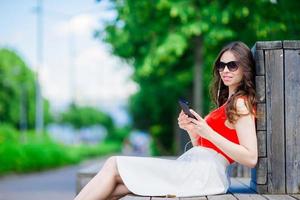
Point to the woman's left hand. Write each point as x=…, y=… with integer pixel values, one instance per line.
x=201, y=128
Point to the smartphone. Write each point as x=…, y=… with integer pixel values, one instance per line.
x=184, y=104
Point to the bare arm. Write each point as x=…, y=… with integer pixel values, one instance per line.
x=244, y=153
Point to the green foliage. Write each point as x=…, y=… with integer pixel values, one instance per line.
x=39, y=152
x=86, y=116
x=17, y=89
x=118, y=134
x=158, y=37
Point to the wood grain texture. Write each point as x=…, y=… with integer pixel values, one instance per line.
x=249, y=197
x=259, y=173
x=261, y=124
x=292, y=120
x=259, y=62
x=221, y=197
x=193, y=198
x=291, y=44
x=260, y=88
x=262, y=143
x=275, y=120
x=279, y=197
x=135, y=197
x=268, y=45
x=296, y=196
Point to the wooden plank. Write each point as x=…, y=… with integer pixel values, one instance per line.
x=260, y=189
x=135, y=197
x=278, y=197
x=268, y=45
x=193, y=198
x=291, y=44
x=292, y=120
x=249, y=197
x=262, y=143
x=259, y=173
x=261, y=120
x=260, y=88
x=168, y=198
x=297, y=196
x=275, y=122
x=259, y=62
x=221, y=197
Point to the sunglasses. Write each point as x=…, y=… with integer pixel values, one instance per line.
x=232, y=66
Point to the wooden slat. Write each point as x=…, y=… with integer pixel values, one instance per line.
x=292, y=120
x=259, y=62
x=297, y=196
x=291, y=44
x=260, y=189
x=262, y=143
x=260, y=88
x=221, y=197
x=249, y=197
x=135, y=197
x=261, y=121
x=193, y=198
x=279, y=197
x=259, y=174
x=275, y=122
x=268, y=45
x=164, y=198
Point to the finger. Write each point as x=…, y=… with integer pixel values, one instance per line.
x=196, y=115
x=182, y=117
x=195, y=121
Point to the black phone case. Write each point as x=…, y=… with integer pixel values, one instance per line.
x=185, y=107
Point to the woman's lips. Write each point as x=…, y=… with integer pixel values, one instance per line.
x=227, y=78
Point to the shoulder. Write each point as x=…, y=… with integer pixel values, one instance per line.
x=241, y=106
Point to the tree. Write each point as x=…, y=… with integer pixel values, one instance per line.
x=80, y=117
x=17, y=92
x=165, y=39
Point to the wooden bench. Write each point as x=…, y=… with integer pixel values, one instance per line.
x=239, y=189
x=278, y=88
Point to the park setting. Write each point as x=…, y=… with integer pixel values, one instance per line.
x=82, y=81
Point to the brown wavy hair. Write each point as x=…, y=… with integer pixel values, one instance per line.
x=246, y=89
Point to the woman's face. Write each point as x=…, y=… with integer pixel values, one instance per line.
x=230, y=79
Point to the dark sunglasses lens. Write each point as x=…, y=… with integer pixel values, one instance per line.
x=232, y=66
x=220, y=66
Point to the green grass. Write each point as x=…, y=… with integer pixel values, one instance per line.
x=39, y=152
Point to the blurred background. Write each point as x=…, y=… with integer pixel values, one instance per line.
x=85, y=79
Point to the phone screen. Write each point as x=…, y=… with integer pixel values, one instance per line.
x=185, y=107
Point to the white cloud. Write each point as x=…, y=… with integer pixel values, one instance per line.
x=103, y=76
x=99, y=77
x=80, y=25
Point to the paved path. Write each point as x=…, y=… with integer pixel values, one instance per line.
x=47, y=185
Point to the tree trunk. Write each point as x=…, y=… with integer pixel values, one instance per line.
x=198, y=77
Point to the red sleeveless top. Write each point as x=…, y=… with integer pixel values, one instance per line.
x=216, y=120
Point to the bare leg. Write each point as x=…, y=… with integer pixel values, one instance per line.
x=120, y=191
x=103, y=184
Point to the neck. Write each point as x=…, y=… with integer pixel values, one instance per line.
x=231, y=91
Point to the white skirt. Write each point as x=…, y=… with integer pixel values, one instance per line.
x=199, y=171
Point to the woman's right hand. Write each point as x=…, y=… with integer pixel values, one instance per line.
x=184, y=122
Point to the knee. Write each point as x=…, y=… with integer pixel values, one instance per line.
x=112, y=160
x=111, y=165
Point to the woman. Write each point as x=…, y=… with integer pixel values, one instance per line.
x=226, y=135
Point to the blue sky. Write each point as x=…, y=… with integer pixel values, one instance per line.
x=75, y=63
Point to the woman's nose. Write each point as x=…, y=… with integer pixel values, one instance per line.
x=226, y=69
